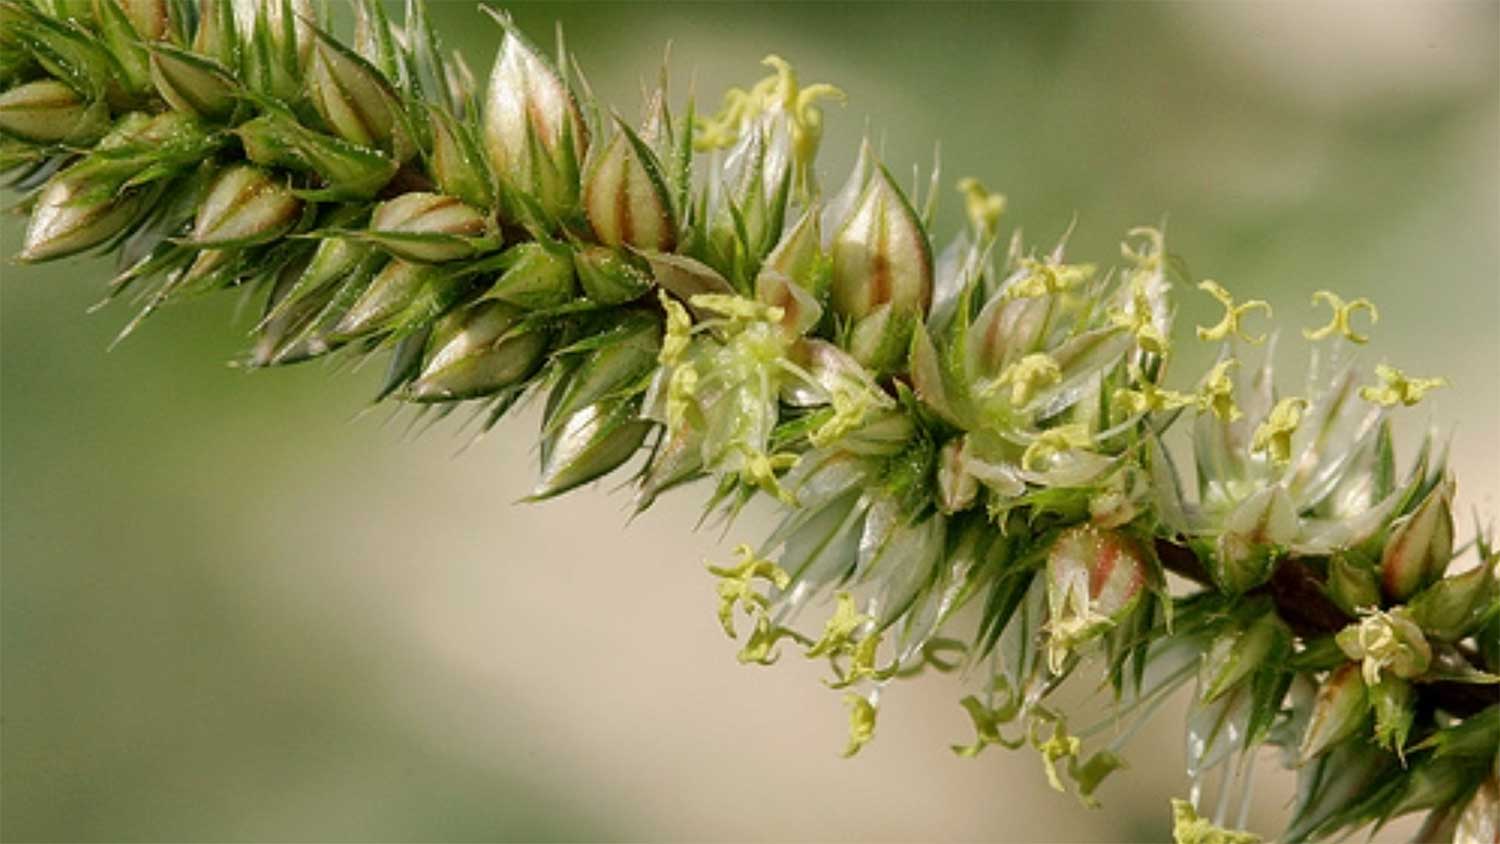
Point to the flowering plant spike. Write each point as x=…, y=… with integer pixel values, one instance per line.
x=976, y=447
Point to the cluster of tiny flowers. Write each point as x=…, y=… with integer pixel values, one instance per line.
x=972, y=450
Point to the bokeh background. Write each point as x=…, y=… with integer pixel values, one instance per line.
x=235, y=608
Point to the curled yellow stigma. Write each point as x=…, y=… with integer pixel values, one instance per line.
x=679, y=331
x=779, y=91
x=983, y=208
x=1274, y=436
x=1233, y=313
x=1397, y=387
x=1150, y=255
x=737, y=586
x=1137, y=318
x=759, y=470
x=1341, y=322
x=861, y=722
x=1147, y=397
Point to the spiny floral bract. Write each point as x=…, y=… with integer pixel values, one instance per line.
x=968, y=444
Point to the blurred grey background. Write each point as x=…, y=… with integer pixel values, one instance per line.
x=232, y=611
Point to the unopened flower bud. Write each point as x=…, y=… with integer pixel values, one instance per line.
x=192, y=84
x=1420, y=545
x=72, y=215
x=477, y=351
x=356, y=100
x=1456, y=606
x=1386, y=642
x=1238, y=653
x=1393, y=701
x=1254, y=533
x=276, y=139
x=609, y=276
x=245, y=205
x=1340, y=709
x=533, y=132
x=151, y=19
x=457, y=164
x=431, y=228
x=1352, y=584
x=589, y=444
x=798, y=255
x=393, y=289
x=882, y=270
x=536, y=275
x=1094, y=579
x=624, y=356
x=956, y=485
x=49, y=112
x=626, y=198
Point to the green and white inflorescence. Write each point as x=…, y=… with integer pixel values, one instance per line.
x=967, y=445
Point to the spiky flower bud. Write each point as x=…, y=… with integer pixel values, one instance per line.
x=1340, y=709
x=535, y=275
x=192, y=84
x=355, y=99
x=1239, y=652
x=392, y=290
x=476, y=351
x=1254, y=533
x=245, y=205
x=457, y=164
x=1094, y=579
x=589, y=444
x=1420, y=545
x=47, y=111
x=1393, y=702
x=1352, y=584
x=74, y=213
x=626, y=198
x=533, y=132
x=1456, y=606
x=1386, y=641
x=882, y=273
x=610, y=276
x=431, y=228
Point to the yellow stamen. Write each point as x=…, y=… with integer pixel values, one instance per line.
x=1341, y=321
x=1399, y=388
x=1274, y=435
x=1233, y=313
x=1028, y=375
x=984, y=208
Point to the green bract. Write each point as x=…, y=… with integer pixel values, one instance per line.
x=973, y=449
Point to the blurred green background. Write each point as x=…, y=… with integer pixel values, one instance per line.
x=234, y=611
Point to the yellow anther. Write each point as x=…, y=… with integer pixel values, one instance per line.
x=679, y=331
x=1027, y=375
x=759, y=469
x=850, y=406
x=777, y=92
x=1274, y=435
x=1053, y=442
x=1043, y=278
x=1137, y=319
x=1398, y=388
x=1054, y=749
x=760, y=646
x=1149, y=257
x=738, y=308
x=682, y=389
x=1148, y=397
x=1233, y=313
x=984, y=208
x=861, y=722
x=839, y=631
x=1216, y=393
x=737, y=585
x=1341, y=321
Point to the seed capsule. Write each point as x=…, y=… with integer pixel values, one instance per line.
x=1094, y=579
x=49, y=112
x=431, y=228
x=1420, y=545
x=533, y=132
x=882, y=272
x=355, y=99
x=245, y=205
x=72, y=215
x=626, y=198
x=192, y=84
x=475, y=352
x=1340, y=709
